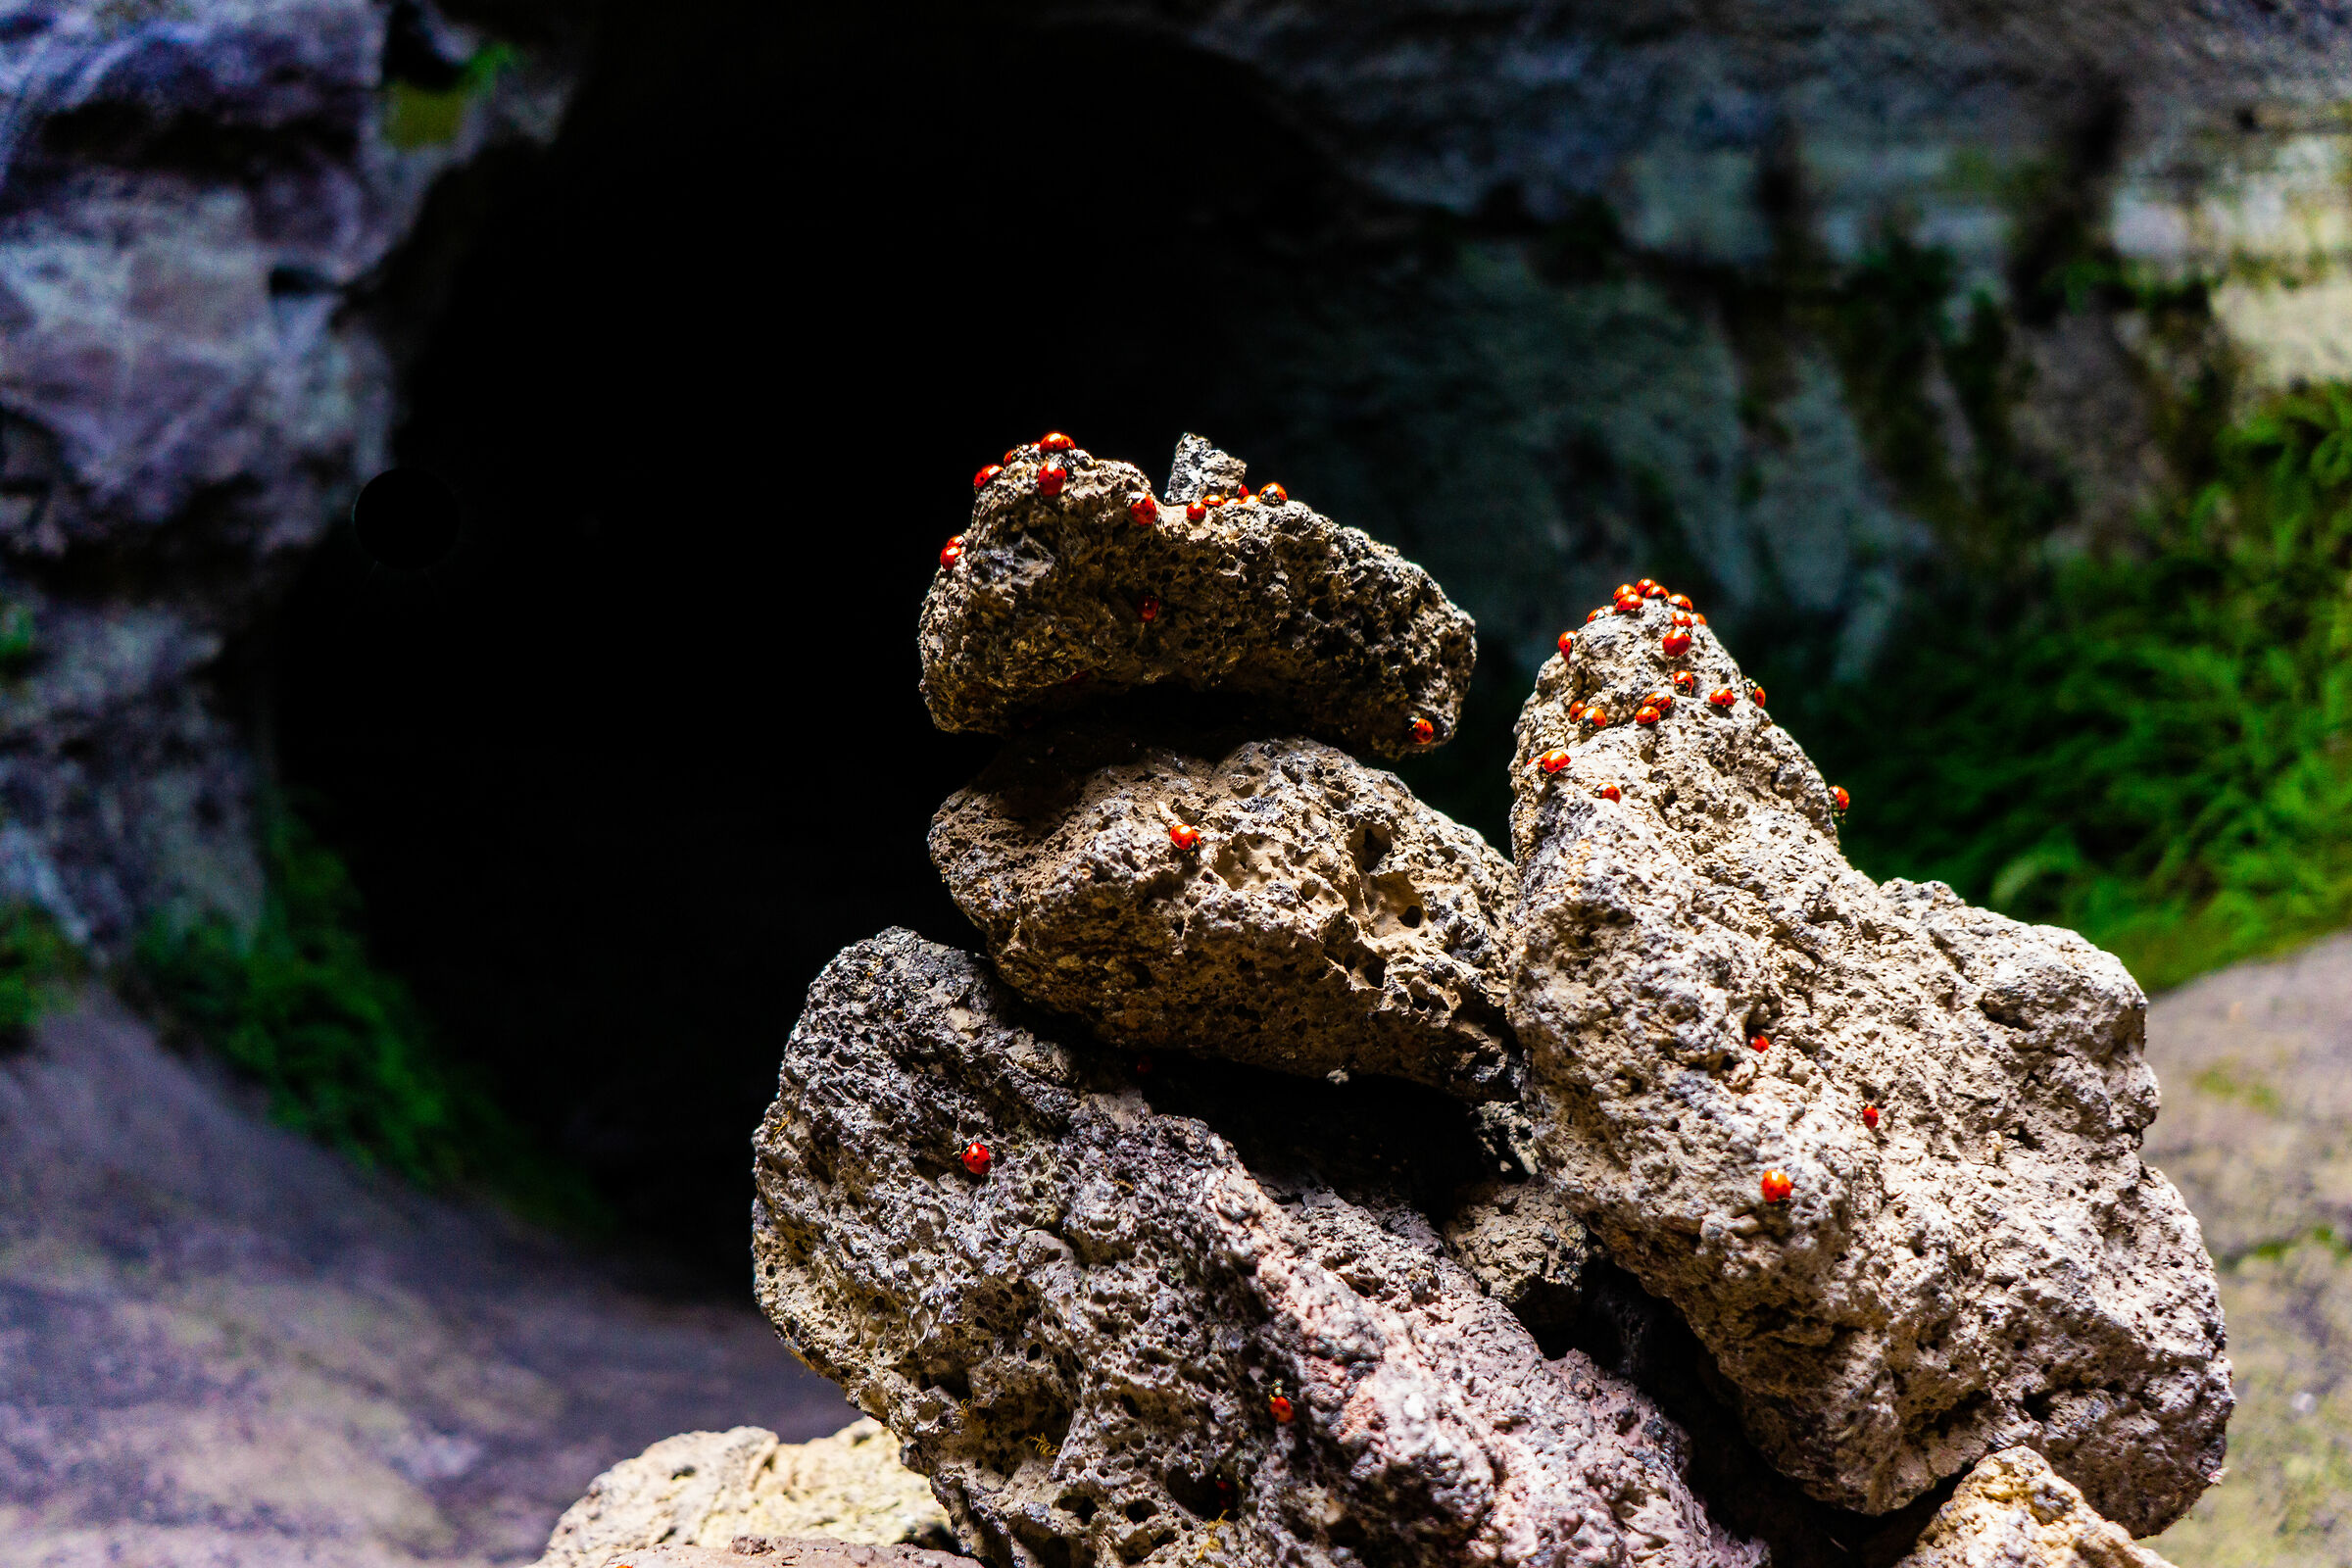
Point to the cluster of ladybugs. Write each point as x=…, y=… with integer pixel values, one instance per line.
x=1629, y=600
x=1055, y=472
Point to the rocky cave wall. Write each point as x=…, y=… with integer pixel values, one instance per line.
x=1545, y=297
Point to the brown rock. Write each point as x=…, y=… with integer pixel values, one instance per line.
x=2013, y=1511
x=1325, y=920
x=1083, y=1345
x=1271, y=603
x=1993, y=1264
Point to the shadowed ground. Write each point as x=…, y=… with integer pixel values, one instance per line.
x=221, y=1346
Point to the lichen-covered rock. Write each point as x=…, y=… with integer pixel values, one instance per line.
x=1993, y=1265
x=2014, y=1511
x=1324, y=921
x=706, y=1488
x=1060, y=598
x=1083, y=1345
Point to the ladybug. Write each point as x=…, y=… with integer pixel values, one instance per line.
x=1676, y=643
x=951, y=552
x=1554, y=761
x=1684, y=681
x=1054, y=441
x=1646, y=714
x=1279, y=1406
x=1777, y=1187
x=1050, y=478
x=1870, y=1117
x=1723, y=697
x=1424, y=732
x=1839, y=798
x=976, y=1157
x=1145, y=511
x=1760, y=1043
x=1609, y=792
x=1184, y=836
x=980, y=479
x=1274, y=495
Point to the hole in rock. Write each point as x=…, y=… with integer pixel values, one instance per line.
x=619, y=775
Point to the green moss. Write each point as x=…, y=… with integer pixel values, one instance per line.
x=39, y=967
x=425, y=116
x=339, y=1044
x=18, y=641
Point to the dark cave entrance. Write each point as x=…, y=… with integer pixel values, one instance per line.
x=710, y=377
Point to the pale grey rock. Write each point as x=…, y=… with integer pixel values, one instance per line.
x=1271, y=603
x=2014, y=1511
x=1081, y=1346
x=192, y=199
x=710, y=1488
x=1993, y=1266
x=1326, y=920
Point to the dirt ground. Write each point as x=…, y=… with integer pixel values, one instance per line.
x=2256, y=1064
x=223, y=1348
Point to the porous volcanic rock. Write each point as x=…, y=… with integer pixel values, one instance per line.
x=1993, y=1265
x=1526, y=1248
x=1058, y=599
x=1325, y=920
x=708, y=1489
x=1082, y=1346
x=2014, y=1511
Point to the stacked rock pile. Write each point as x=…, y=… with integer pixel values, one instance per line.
x=1297, y=1181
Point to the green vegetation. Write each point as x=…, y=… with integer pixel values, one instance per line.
x=418, y=116
x=2153, y=746
x=339, y=1044
x=38, y=965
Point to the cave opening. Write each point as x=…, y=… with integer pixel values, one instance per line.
x=709, y=376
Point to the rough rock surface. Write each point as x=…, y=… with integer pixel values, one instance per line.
x=1325, y=920
x=1081, y=1346
x=191, y=197
x=1526, y=1248
x=1993, y=1264
x=1268, y=602
x=706, y=1489
x=2014, y=1511
x=227, y=1348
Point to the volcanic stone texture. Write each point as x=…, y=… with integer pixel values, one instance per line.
x=1325, y=920
x=1081, y=1346
x=2014, y=1511
x=1275, y=604
x=1993, y=1266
